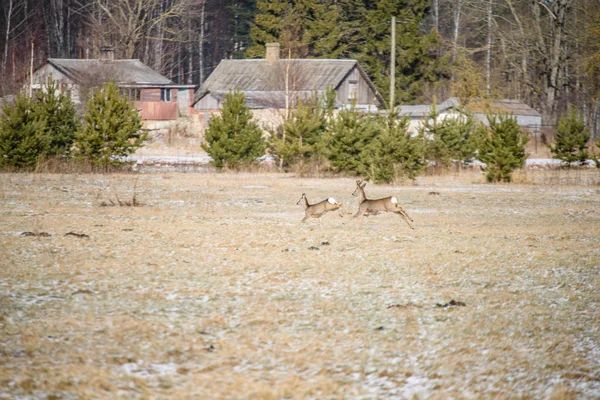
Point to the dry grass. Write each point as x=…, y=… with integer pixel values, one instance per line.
x=211, y=290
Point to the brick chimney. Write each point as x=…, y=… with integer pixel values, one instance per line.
x=272, y=55
x=107, y=53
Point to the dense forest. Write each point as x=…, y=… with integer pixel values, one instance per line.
x=544, y=52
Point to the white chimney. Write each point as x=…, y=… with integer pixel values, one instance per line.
x=272, y=55
x=107, y=53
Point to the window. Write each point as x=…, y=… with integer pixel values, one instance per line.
x=352, y=84
x=165, y=94
x=132, y=93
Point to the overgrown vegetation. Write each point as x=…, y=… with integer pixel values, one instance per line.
x=377, y=147
x=233, y=138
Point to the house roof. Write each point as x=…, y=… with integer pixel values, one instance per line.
x=256, y=76
x=503, y=106
x=130, y=72
x=267, y=98
x=476, y=106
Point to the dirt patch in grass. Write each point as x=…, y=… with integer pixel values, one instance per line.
x=214, y=289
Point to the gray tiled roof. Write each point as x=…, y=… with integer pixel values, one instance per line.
x=122, y=71
x=257, y=75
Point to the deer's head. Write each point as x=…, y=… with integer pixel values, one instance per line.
x=302, y=200
x=359, y=186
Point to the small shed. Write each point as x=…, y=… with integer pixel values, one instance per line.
x=154, y=95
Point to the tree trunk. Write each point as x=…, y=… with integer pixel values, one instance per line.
x=457, y=11
x=556, y=59
x=7, y=36
x=436, y=15
x=488, y=57
x=201, y=45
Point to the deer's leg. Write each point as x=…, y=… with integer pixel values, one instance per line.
x=406, y=218
x=307, y=216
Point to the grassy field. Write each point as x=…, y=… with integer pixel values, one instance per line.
x=212, y=288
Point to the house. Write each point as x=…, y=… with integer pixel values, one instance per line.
x=273, y=85
x=528, y=118
x=155, y=96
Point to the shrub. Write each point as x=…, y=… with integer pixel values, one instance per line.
x=571, y=139
x=111, y=128
x=22, y=134
x=233, y=139
x=502, y=148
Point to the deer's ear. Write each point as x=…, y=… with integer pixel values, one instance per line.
x=363, y=185
x=358, y=183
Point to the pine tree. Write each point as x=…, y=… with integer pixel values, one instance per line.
x=571, y=139
x=111, y=128
x=22, y=134
x=502, y=148
x=62, y=123
x=395, y=154
x=233, y=138
x=351, y=136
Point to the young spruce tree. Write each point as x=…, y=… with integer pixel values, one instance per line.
x=303, y=136
x=62, y=123
x=502, y=148
x=450, y=139
x=395, y=154
x=571, y=139
x=111, y=128
x=233, y=139
x=22, y=134
x=351, y=139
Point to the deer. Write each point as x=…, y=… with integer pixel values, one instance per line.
x=368, y=207
x=317, y=210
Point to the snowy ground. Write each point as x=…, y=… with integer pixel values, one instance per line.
x=213, y=289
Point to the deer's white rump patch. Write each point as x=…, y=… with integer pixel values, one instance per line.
x=394, y=200
x=331, y=200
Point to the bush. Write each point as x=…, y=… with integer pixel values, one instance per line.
x=22, y=134
x=111, y=128
x=502, y=148
x=233, y=139
x=571, y=139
